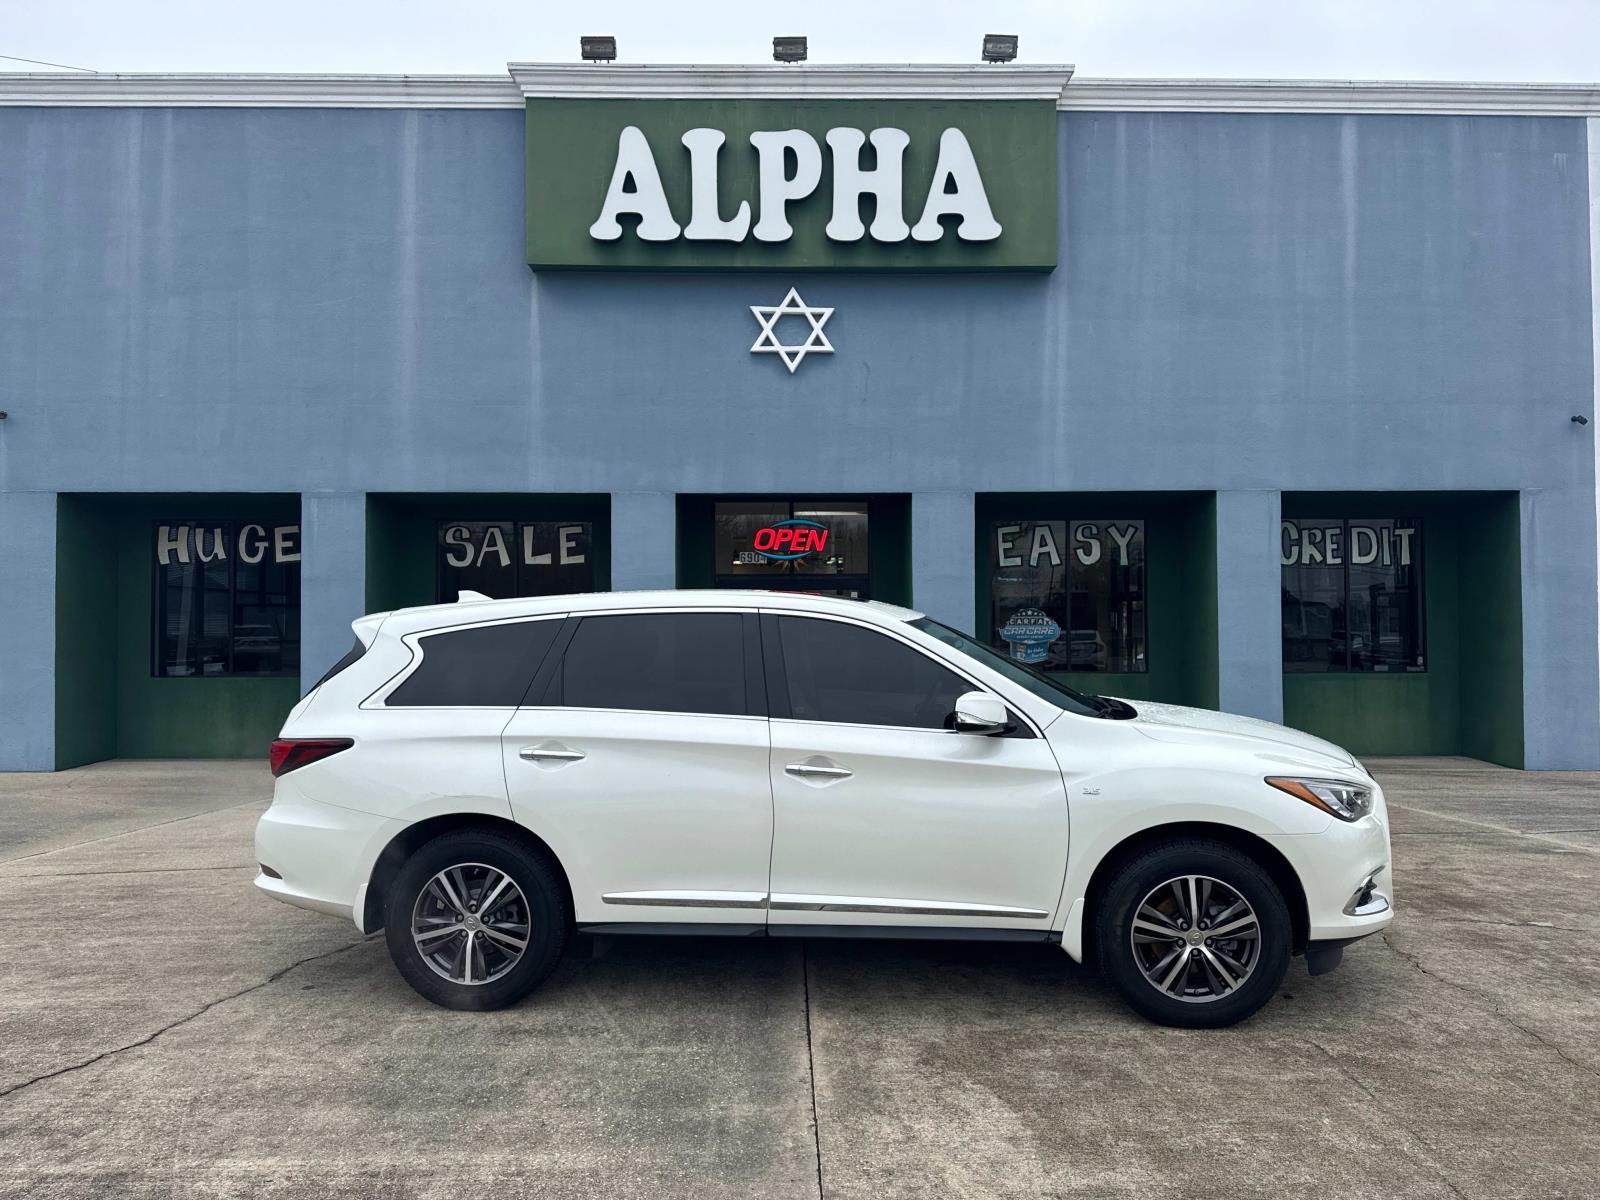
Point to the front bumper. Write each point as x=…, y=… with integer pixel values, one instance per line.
x=1346, y=871
x=323, y=854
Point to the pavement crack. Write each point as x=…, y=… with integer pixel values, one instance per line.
x=811, y=1066
x=184, y=1020
x=1494, y=1007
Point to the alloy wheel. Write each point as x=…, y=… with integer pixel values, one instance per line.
x=471, y=923
x=1195, y=939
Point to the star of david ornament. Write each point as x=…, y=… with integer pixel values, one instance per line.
x=767, y=341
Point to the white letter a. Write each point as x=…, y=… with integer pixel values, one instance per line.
x=635, y=165
x=967, y=201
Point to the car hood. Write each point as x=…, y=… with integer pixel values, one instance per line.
x=1175, y=723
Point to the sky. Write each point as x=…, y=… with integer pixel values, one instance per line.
x=1508, y=40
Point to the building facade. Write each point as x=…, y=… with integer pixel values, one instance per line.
x=1267, y=397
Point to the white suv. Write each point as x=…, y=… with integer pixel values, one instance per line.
x=481, y=779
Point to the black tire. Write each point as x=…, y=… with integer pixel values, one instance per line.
x=1137, y=879
x=548, y=917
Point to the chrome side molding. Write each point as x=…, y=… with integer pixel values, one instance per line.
x=789, y=902
x=917, y=908
x=688, y=899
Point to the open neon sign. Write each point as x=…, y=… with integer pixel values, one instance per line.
x=783, y=541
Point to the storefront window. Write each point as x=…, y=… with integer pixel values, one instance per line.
x=512, y=558
x=1352, y=595
x=1069, y=595
x=227, y=598
x=818, y=545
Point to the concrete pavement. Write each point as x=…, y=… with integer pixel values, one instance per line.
x=165, y=1031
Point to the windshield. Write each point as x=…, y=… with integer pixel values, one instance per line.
x=1037, y=682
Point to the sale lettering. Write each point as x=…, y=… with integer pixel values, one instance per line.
x=491, y=545
x=956, y=189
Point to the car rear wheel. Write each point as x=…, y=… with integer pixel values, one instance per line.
x=476, y=919
x=1194, y=934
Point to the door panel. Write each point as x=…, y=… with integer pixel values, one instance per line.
x=672, y=805
x=889, y=826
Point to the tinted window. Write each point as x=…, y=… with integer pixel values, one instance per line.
x=1352, y=595
x=486, y=667
x=351, y=657
x=1069, y=595
x=515, y=558
x=657, y=662
x=227, y=598
x=840, y=672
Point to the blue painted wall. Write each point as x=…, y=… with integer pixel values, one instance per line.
x=335, y=301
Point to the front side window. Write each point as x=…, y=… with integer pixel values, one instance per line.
x=485, y=666
x=655, y=662
x=1352, y=595
x=1069, y=595
x=1045, y=687
x=857, y=676
x=227, y=598
x=502, y=559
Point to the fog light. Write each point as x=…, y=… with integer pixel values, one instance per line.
x=1367, y=901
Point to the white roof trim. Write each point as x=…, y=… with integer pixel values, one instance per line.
x=1339, y=96
x=258, y=91
x=967, y=81
x=911, y=82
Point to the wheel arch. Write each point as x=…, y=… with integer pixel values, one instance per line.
x=1263, y=852
x=414, y=836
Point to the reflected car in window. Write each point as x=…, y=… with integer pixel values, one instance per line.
x=484, y=780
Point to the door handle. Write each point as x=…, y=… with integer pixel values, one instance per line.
x=548, y=754
x=805, y=768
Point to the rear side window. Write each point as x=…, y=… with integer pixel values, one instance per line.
x=853, y=675
x=655, y=662
x=350, y=657
x=489, y=666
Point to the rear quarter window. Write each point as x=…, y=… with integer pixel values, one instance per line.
x=487, y=666
x=351, y=657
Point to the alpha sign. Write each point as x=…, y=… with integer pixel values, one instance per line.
x=759, y=184
x=789, y=168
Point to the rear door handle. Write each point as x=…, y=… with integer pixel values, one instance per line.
x=548, y=754
x=805, y=768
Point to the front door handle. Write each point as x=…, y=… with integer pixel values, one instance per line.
x=817, y=769
x=548, y=754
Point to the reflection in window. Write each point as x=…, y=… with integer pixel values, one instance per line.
x=1352, y=595
x=1069, y=595
x=501, y=559
x=227, y=599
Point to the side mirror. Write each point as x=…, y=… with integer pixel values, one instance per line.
x=981, y=712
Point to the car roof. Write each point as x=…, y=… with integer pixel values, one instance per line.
x=469, y=611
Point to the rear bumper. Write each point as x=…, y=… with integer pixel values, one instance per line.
x=324, y=854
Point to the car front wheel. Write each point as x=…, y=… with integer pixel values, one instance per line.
x=476, y=919
x=1194, y=934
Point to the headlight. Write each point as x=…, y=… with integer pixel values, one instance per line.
x=1347, y=801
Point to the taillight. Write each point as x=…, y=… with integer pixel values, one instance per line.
x=288, y=754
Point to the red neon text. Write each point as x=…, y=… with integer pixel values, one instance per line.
x=791, y=539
